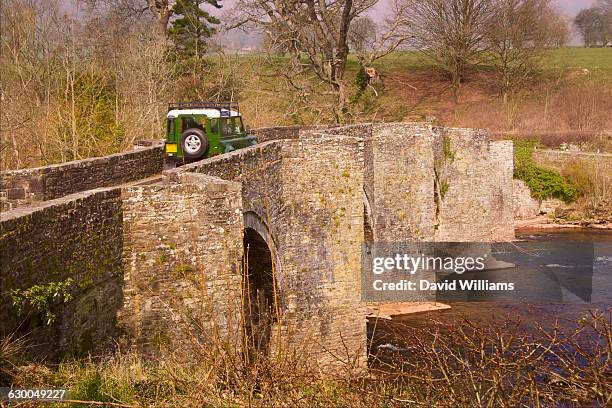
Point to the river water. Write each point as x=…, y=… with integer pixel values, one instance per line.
x=556, y=307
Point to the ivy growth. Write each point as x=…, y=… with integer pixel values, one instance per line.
x=361, y=81
x=43, y=297
x=543, y=183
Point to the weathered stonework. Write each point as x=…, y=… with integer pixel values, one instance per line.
x=321, y=247
x=182, y=262
x=283, y=132
x=463, y=157
x=525, y=206
x=308, y=194
x=77, y=237
x=400, y=182
x=311, y=195
x=500, y=180
x=20, y=188
x=427, y=183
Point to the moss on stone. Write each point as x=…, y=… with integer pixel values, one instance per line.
x=443, y=188
x=447, y=149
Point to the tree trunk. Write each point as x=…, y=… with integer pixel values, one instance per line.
x=163, y=19
x=341, y=100
x=163, y=11
x=456, y=84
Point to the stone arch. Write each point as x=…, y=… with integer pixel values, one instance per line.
x=253, y=221
x=262, y=299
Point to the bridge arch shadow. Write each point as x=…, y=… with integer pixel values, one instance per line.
x=262, y=299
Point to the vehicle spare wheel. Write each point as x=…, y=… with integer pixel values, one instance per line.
x=194, y=143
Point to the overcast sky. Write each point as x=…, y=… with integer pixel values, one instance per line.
x=569, y=7
x=574, y=6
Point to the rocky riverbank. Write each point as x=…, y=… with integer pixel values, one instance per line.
x=545, y=222
x=554, y=213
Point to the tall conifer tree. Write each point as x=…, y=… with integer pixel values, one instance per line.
x=193, y=27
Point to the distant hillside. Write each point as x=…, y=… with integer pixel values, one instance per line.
x=572, y=96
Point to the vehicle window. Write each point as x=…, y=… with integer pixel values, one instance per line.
x=238, y=125
x=227, y=127
x=231, y=126
x=189, y=123
x=214, y=125
x=171, y=127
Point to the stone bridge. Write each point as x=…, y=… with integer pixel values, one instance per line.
x=165, y=263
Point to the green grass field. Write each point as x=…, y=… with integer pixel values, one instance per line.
x=579, y=58
x=400, y=60
x=559, y=58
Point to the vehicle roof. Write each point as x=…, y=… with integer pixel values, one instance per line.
x=211, y=113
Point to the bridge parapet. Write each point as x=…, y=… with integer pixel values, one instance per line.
x=71, y=246
x=425, y=183
x=19, y=188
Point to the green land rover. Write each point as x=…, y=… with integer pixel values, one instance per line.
x=196, y=130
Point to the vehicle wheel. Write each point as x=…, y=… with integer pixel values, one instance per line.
x=194, y=143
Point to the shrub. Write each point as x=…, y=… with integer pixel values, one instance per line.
x=445, y=363
x=458, y=362
x=580, y=176
x=93, y=128
x=42, y=298
x=543, y=183
x=89, y=387
x=12, y=349
x=361, y=80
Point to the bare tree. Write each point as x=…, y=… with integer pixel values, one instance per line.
x=280, y=43
x=595, y=24
x=362, y=34
x=319, y=29
x=516, y=34
x=162, y=10
x=72, y=83
x=134, y=9
x=33, y=38
x=370, y=42
x=606, y=7
x=589, y=23
x=559, y=29
x=451, y=32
